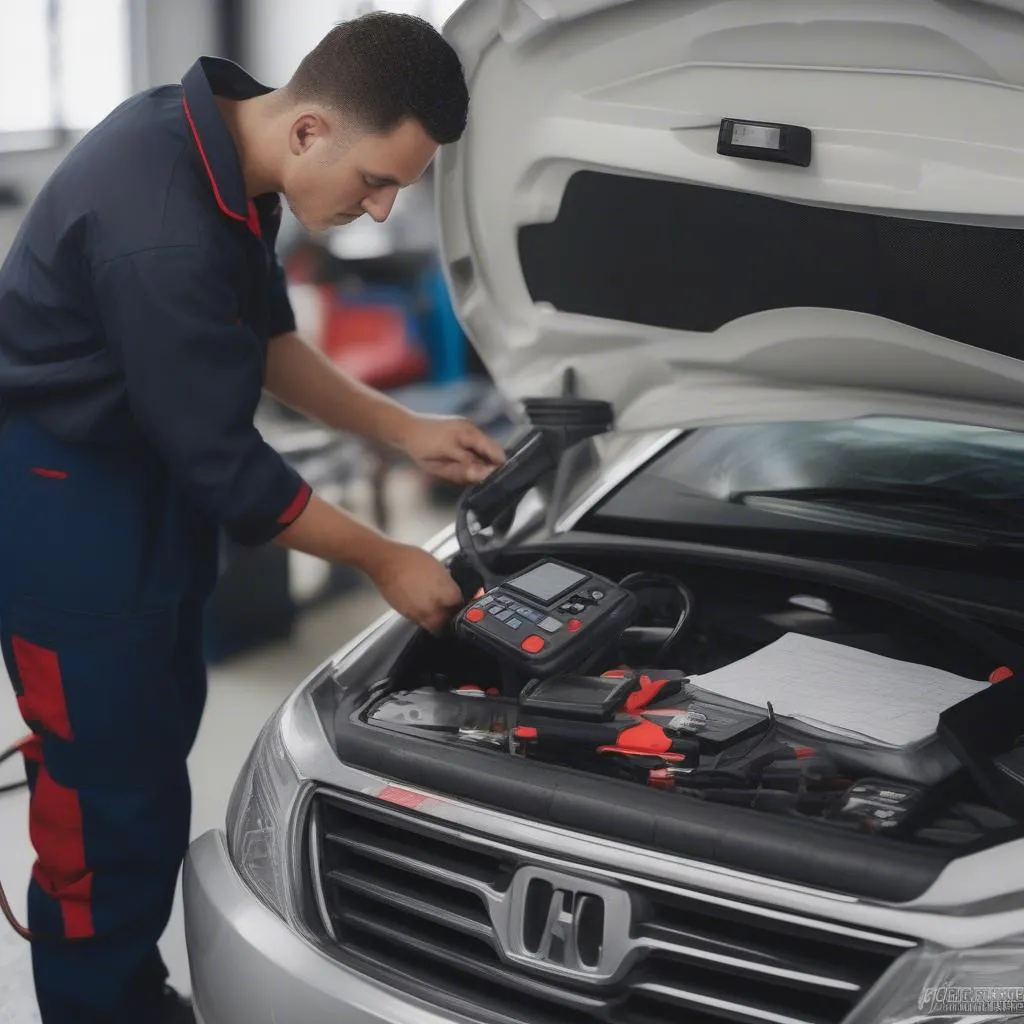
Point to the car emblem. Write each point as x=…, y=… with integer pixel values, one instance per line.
x=564, y=925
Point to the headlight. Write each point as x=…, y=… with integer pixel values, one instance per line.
x=985, y=983
x=259, y=817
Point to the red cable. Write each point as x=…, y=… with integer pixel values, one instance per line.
x=5, y=905
x=11, y=919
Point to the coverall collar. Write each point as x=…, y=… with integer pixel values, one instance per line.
x=208, y=78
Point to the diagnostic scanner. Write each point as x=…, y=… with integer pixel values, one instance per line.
x=551, y=618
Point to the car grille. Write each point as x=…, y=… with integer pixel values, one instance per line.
x=405, y=896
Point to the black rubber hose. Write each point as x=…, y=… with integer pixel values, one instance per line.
x=6, y=756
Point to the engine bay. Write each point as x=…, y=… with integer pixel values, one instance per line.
x=631, y=709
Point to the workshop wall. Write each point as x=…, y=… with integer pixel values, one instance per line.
x=165, y=39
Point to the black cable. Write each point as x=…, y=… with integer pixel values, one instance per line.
x=557, y=425
x=467, y=543
x=6, y=755
x=661, y=581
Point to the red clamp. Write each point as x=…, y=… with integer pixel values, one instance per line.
x=648, y=739
x=654, y=687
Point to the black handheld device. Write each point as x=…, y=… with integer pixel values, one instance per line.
x=551, y=618
x=586, y=698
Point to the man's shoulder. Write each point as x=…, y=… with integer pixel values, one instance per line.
x=133, y=179
x=141, y=137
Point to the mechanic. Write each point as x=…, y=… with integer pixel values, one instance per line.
x=142, y=312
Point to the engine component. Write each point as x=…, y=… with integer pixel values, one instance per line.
x=584, y=698
x=718, y=728
x=881, y=806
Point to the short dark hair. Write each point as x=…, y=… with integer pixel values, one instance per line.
x=383, y=68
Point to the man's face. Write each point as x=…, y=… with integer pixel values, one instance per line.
x=331, y=177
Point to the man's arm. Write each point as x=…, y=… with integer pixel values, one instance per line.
x=413, y=582
x=194, y=376
x=303, y=378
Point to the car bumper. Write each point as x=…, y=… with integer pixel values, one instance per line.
x=249, y=967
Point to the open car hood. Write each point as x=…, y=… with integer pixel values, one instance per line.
x=589, y=222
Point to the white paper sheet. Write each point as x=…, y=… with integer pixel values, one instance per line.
x=842, y=690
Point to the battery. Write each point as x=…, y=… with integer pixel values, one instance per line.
x=716, y=728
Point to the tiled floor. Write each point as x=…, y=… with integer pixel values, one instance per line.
x=243, y=693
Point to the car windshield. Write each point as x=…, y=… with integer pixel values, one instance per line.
x=890, y=467
x=862, y=453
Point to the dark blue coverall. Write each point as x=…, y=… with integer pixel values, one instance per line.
x=135, y=309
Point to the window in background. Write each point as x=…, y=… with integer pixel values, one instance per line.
x=64, y=64
x=26, y=71
x=95, y=56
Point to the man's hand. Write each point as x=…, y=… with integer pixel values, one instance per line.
x=413, y=582
x=303, y=378
x=452, y=448
x=417, y=586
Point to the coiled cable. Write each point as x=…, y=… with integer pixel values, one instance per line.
x=661, y=581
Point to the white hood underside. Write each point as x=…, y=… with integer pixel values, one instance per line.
x=916, y=109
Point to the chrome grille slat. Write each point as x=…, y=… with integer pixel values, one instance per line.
x=783, y=919
x=438, y=896
x=353, y=882
x=737, y=1011
x=750, y=963
x=491, y=973
x=412, y=864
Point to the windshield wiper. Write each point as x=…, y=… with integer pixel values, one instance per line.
x=905, y=496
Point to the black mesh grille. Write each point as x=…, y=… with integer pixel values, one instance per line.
x=695, y=258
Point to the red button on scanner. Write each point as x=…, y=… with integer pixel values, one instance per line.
x=574, y=625
x=475, y=615
x=533, y=644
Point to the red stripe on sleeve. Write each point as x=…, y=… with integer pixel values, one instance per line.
x=297, y=507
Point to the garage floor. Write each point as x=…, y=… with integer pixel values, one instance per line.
x=243, y=694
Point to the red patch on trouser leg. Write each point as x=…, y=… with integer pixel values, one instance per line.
x=55, y=813
x=42, y=700
x=55, y=825
x=32, y=749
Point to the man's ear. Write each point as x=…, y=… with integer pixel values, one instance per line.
x=306, y=130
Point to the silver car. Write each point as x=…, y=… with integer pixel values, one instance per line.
x=783, y=241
